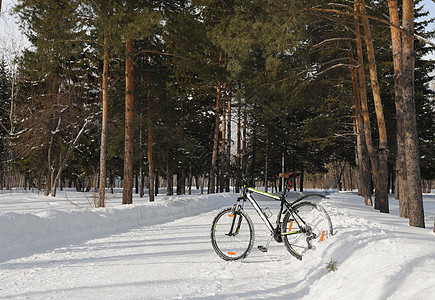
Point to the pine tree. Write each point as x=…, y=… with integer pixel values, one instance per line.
x=416, y=212
x=138, y=19
x=397, y=58
x=127, y=197
x=105, y=30
x=381, y=195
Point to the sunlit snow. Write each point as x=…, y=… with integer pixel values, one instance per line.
x=61, y=248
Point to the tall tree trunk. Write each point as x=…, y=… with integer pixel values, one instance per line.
x=127, y=197
x=357, y=125
x=201, y=184
x=228, y=148
x=181, y=182
x=50, y=171
x=150, y=140
x=142, y=182
x=156, y=184
x=281, y=181
x=412, y=158
x=170, y=175
x=136, y=183
x=111, y=182
x=223, y=141
x=244, y=139
x=189, y=181
x=364, y=106
x=266, y=167
x=103, y=146
x=254, y=151
x=239, y=147
x=362, y=154
x=141, y=147
x=212, y=180
x=381, y=195
x=401, y=171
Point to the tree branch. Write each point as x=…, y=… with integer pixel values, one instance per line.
x=333, y=67
x=351, y=13
x=318, y=45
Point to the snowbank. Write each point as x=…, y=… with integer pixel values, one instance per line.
x=26, y=233
x=378, y=256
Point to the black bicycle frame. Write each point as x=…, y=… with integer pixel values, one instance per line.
x=247, y=194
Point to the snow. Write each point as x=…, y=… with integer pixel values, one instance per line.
x=62, y=248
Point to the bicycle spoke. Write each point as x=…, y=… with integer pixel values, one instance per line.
x=232, y=234
x=305, y=227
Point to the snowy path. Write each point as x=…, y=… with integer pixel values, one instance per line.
x=377, y=255
x=167, y=261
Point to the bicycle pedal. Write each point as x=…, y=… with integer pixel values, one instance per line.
x=262, y=248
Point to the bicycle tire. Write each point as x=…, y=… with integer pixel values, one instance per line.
x=233, y=247
x=305, y=227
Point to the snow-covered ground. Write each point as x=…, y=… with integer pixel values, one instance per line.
x=61, y=248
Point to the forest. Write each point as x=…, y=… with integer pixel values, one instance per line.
x=193, y=93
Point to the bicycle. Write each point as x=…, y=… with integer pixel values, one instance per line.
x=301, y=225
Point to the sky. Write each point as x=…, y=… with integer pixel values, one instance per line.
x=429, y=5
x=11, y=40
x=8, y=27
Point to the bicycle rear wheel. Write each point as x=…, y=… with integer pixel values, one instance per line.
x=306, y=226
x=232, y=234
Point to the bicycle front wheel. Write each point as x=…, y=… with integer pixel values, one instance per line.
x=232, y=234
x=306, y=226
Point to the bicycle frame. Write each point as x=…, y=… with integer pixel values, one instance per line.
x=275, y=231
x=248, y=195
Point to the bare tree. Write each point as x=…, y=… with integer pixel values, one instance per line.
x=65, y=159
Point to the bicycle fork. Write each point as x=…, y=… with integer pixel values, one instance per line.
x=236, y=222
